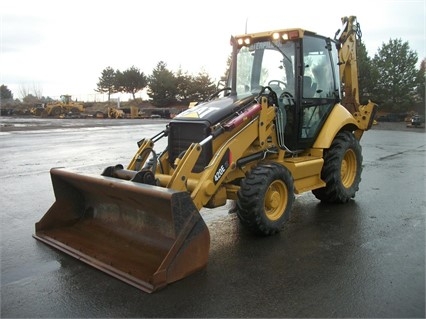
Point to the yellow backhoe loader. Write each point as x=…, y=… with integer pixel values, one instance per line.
x=281, y=126
x=62, y=107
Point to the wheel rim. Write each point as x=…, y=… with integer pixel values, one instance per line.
x=349, y=168
x=276, y=198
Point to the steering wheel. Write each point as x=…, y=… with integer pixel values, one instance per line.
x=288, y=96
x=278, y=83
x=216, y=94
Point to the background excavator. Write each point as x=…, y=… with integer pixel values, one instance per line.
x=282, y=125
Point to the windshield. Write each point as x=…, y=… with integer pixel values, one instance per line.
x=266, y=64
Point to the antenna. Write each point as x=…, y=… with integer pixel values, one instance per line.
x=246, y=25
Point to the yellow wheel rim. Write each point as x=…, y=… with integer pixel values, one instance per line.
x=349, y=168
x=276, y=199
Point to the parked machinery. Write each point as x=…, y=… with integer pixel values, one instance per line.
x=62, y=107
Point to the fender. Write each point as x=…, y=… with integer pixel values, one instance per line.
x=339, y=117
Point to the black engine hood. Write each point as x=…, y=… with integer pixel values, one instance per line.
x=216, y=110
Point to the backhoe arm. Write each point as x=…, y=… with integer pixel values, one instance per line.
x=348, y=66
x=348, y=70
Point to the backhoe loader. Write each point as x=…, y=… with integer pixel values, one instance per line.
x=288, y=121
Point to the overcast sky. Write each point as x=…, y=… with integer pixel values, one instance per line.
x=61, y=47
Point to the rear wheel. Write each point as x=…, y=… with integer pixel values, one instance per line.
x=265, y=199
x=342, y=170
x=56, y=111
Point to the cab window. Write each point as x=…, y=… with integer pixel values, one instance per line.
x=319, y=91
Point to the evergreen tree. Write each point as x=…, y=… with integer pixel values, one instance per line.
x=366, y=74
x=184, y=83
x=395, y=65
x=202, y=87
x=5, y=93
x=420, y=84
x=107, y=82
x=162, y=86
x=131, y=81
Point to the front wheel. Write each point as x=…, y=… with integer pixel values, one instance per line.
x=265, y=199
x=342, y=170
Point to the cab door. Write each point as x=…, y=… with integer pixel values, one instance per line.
x=318, y=90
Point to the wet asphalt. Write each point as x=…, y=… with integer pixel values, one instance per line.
x=363, y=259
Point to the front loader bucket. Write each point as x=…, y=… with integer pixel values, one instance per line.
x=145, y=235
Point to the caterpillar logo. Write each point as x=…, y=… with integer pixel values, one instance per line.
x=223, y=166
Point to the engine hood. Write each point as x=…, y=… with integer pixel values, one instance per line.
x=216, y=110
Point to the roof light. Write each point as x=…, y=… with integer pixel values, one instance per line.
x=275, y=36
x=245, y=41
x=285, y=36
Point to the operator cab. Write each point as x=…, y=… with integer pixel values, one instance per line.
x=301, y=68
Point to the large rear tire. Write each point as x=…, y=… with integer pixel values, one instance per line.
x=56, y=111
x=342, y=169
x=265, y=199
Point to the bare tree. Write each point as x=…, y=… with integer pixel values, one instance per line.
x=23, y=91
x=37, y=91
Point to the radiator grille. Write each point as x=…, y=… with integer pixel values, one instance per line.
x=182, y=135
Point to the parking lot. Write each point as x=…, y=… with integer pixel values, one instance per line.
x=362, y=259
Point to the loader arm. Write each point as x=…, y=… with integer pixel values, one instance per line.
x=239, y=139
x=146, y=147
x=225, y=160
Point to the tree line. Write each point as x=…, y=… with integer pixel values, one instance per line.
x=164, y=87
x=391, y=78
